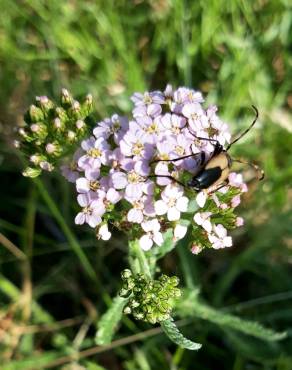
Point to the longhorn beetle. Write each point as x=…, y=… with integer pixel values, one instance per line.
x=215, y=170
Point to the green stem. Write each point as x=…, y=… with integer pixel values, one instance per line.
x=138, y=260
x=66, y=230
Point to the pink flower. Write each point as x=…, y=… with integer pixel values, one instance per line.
x=97, y=152
x=91, y=212
x=220, y=239
x=141, y=208
x=196, y=115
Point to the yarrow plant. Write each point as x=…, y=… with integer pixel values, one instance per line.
x=131, y=174
x=124, y=175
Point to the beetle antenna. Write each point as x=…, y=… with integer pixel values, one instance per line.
x=246, y=131
x=259, y=171
x=170, y=178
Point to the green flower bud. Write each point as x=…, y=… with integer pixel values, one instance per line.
x=138, y=316
x=75, y=110
x=54, y=149
x=87, y=105
x=127, y=310
x=37, y=158
x=47, y=166
x=71, y=136
x=39, y=130
x=61, y=114
x=44, y=103
x=35, y=114
x=66, y=97
x=80, y=126
x=151, y=300
x=126, y=274
x=22, y=132
x=31, y=172
x=58, y=124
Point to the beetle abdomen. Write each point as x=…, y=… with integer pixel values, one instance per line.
x=205, y=178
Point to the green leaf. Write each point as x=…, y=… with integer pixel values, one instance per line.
x=176, y=336
x=109, y=321
x=193, y=307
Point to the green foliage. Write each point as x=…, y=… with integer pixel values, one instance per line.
x=150, y=300
x=176, y=336
x=107, y=324
x=191, y=306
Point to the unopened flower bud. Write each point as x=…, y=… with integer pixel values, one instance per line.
x=66, y=97
x=88, y=104
x=126, y=274
x=22, y=132
x=37, y=158
x=31, y=172
x=71, y=136
x=47, y=166
x=80, y=125
x=61, y=113
x=45, y=103
x=127, y=310
x=53, y=149
x=58, y=125
x=35, y=114
x=39, y=130
x=75, y=110
x=16, y=144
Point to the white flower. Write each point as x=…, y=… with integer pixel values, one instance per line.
x=103, y=232
x=173, y=203
x=203, y=219
x=91, y=212
x=153, y=234
x=179, y=231
x=201, y=198
x=220, y=239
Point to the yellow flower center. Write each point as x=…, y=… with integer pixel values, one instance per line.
x=138, y=205
x=94, y=185
x=94, y=153
x=212, y=131
x=73, y=166
x=137, y=148
x=134, y=177
x=152, y=129
x=179, y=150
x=87, y=210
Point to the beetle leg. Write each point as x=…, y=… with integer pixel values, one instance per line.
x=259, y=171
x=225, y=183
x=175, y=159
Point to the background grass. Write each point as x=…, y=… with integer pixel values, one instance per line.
x=238, y=53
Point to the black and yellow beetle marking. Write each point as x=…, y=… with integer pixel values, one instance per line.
x=214, y=172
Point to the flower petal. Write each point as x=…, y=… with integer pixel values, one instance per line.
x=173, y=214
x=145, y=242
x=201, y=199
x=160, y=207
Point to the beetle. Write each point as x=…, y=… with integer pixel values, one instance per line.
x=215, y=170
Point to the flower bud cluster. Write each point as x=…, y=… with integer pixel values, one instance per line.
x=150, y=300
x=50, y=130
x=128, y=173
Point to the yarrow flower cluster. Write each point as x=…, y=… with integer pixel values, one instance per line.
x=126, y=178
x=50, y=130
x=150, y=300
